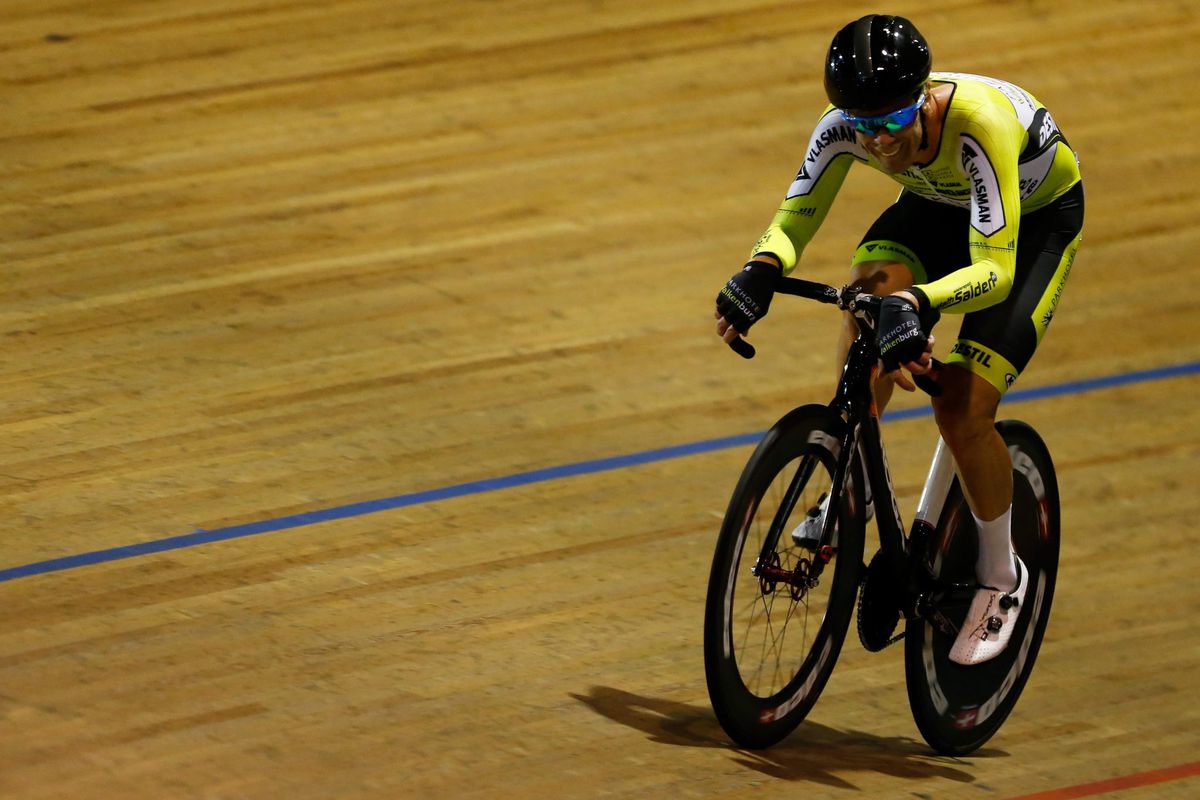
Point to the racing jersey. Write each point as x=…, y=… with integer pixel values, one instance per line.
x=1000, y=156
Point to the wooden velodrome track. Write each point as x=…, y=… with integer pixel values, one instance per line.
x=275, y=271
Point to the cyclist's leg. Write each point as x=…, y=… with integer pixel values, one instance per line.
x=994, y=346
x=966, y=417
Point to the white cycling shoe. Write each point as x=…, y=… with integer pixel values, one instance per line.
x=989, y=624
x=808, y=533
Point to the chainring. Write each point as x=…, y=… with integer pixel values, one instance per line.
x=878, y=611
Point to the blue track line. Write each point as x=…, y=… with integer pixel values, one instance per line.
x=533, y=476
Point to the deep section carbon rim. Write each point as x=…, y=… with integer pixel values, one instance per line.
x=777, y=613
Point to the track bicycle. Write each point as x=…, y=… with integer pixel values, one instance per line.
x=777, y=612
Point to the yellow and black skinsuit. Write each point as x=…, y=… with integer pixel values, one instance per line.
x=989, y=227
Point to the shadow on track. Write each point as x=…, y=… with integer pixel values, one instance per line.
x=814, y=752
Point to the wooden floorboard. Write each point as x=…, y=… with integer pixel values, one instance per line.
x=281, y=257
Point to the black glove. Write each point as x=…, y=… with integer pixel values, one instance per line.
x=903, y=332
x=747, y=296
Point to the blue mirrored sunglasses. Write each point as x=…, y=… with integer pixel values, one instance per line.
x=892, y=122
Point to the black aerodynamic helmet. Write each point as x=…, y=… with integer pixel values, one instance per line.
x=875, y=61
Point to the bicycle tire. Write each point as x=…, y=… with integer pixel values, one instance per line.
x=744, y=618
x=959, y=708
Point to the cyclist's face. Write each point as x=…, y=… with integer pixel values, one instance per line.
x=895, y=151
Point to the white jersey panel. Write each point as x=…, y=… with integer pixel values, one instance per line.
x=1022, y=101
x=832, y=137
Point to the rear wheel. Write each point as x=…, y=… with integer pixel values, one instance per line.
x=958, y=708
x=776, y=614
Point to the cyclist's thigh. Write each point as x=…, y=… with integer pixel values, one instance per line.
x=927, y=239
x=997, y=343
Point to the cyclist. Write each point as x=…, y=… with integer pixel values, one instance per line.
x=987, y=224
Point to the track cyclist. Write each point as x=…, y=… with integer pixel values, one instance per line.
x=986, y=225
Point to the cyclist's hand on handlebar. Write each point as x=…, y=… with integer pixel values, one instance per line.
x=904, y=339
x=924, y=365
x=745, y=299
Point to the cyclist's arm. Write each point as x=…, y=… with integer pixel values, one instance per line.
x=988, y=160
x=832, y=148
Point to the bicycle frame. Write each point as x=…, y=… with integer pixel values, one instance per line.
x=854, y=401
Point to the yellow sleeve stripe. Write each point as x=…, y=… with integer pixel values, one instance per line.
x=776, y=242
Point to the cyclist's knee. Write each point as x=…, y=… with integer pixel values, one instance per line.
x=963, y=430
x=965, y=411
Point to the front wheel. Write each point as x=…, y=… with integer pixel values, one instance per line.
x=776, y=614
x=958, y=708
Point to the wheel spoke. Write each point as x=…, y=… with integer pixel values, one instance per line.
x=767, y=655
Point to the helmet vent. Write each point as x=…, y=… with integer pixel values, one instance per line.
x=863, y=54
